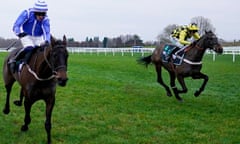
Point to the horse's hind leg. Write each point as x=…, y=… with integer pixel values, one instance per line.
x=19, y=102
x=8, y=88
x=160, y=80
x=201, y=89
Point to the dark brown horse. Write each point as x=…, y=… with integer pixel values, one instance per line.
x=190, y=67
x=38, y=79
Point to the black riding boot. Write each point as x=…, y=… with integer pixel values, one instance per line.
x=20, y=55
x=12, y=61
x=27, y=57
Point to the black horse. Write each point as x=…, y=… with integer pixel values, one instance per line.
x=38, y=79
x=190, y=67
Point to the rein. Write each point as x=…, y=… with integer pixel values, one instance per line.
x=49, y=65
x=47, y=61
x=188, y=61
x=37, y=77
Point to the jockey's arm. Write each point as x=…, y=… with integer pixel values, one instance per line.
x=196, y=36
x=19, y=22
x=46, y=30
x=182, y=37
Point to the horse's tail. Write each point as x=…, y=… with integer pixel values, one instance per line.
x=145, y=60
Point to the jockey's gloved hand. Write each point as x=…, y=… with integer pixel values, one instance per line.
x=21, y=35
x=46, y=44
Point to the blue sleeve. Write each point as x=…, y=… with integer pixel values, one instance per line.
x=46, y=30
x=20, y=21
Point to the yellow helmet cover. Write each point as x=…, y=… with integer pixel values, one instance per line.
x=193, y=27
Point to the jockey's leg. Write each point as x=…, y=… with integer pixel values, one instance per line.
x=27, y=57
x=20, y=55
x=12, y=61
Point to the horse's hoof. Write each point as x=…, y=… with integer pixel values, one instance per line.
x=181, y=100
x=6, y=111
x=17, y=103
x=24, y=128
x=169, y=94
x=197, y=93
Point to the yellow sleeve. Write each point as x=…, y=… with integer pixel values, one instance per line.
x=196, y=36
x=182, y=36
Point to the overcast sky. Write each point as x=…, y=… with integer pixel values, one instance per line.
x=112, y=18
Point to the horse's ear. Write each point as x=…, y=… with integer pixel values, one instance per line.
x=209, y=31
x=52, y=39
x=64, y=40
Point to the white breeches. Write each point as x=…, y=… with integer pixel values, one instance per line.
x=31, y=41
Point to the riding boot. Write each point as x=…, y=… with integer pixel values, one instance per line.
x=12, y=61
x=27, y=57
x=21, y=53
x=169, y=57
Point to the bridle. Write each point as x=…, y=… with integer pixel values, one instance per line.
x=201, y=48
x=51, y=66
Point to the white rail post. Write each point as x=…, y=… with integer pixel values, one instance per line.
x=214, y=55
x=233, y=53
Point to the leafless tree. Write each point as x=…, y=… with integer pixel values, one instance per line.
x=204, y=24
x=164, y=36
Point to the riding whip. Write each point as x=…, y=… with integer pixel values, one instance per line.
x=12, y=44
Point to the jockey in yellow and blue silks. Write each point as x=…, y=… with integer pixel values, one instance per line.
x=33, y=29
x=182, y=35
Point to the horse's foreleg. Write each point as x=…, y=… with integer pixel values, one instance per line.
x=8, y=88
x=27, y=119
x=182, y=83
x=173, y=85
x=160, y=80
x=49, y=107
x=205, y=80
x=19, y=102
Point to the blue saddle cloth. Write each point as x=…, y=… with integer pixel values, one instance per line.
x=170, y=50
x=166, y=53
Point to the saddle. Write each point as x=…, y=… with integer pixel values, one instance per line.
x=22, y=57
x=172, y=53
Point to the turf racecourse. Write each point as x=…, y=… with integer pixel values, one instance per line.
x=113, y=100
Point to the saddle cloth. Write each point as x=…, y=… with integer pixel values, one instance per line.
x=172, y=52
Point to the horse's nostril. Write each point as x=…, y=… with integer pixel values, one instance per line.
x=63, y=79
x=62, y=82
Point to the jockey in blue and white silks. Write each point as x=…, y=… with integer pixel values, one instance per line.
x=33, y=29
x=33, y=26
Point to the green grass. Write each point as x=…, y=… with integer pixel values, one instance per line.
x=111, y=99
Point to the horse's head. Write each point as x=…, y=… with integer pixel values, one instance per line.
x=58, y=59
x=211, y=42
